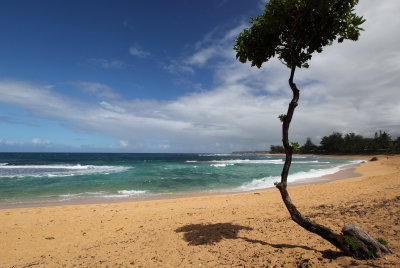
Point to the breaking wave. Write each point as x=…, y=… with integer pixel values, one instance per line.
x=267, y=182
x=56, y=170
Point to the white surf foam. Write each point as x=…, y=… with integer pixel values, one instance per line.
x=267, y=182
x=221, y=165
x=132, y=192
x=248, y=161
x=127, y=193
x=57, y=170
x=102, y=194
x=264, y=162
x=310, y=162
x=65, y=197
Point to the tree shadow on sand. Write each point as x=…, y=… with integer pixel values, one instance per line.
x=209, y=234
x=327, y=254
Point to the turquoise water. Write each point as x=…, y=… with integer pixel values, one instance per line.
x=27, y=177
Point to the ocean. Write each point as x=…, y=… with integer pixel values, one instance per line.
x=44, y=177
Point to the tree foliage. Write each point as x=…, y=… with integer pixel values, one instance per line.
x=349, y=143
x=332, y=143
x=293, y=30
x=309, y=147
x=276, y=149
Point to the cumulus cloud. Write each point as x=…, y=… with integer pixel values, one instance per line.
x=193, y=121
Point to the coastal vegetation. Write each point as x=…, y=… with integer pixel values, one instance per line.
x=349, y=143
x=293, y=30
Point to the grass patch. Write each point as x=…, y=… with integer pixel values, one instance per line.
x=354, y=245
x=369, y=255
x=382, y=241
x=398, y=197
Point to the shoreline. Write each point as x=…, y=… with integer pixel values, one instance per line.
x=250, y=229
x=347, y=172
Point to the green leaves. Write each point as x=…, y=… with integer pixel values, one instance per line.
x=353, y=244
x=282, y=117
x=295, y=147
x=294, y=29
x=382, y=241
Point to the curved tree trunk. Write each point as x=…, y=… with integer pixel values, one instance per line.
x=336, y=239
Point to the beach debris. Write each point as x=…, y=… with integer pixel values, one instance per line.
x=374, y=158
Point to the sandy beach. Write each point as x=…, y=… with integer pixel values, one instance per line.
x=234, y=230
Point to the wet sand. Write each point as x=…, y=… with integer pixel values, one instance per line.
x=248, y=229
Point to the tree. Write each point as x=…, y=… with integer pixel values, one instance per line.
x=381, y=143
x=276, y=149
x=353, y=144
x=384, y=142
x=396, y=146
x=293, y=30
x=332, y=144
x=309, y=147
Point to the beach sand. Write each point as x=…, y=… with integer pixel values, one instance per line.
x=236, y=230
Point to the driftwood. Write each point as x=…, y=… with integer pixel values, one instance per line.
x=361, y=244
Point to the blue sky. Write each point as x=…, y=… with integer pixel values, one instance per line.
x=161, y=76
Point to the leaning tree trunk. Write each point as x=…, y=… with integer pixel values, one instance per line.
x=354, y=241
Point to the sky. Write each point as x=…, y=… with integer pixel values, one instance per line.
x=161, y=76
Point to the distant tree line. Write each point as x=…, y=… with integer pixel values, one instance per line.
x=350, y=143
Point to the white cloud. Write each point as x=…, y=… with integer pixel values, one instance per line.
x=164, y=147
x=136, y=51
x=176, y=67
x=38, y=141
x=10, y=142
x=202, y=56
x=34, y=142
x=123, y=143
x=111, y=107
x=189, y=122
x=214, y=47
x=96, y=89
x=108, y=64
